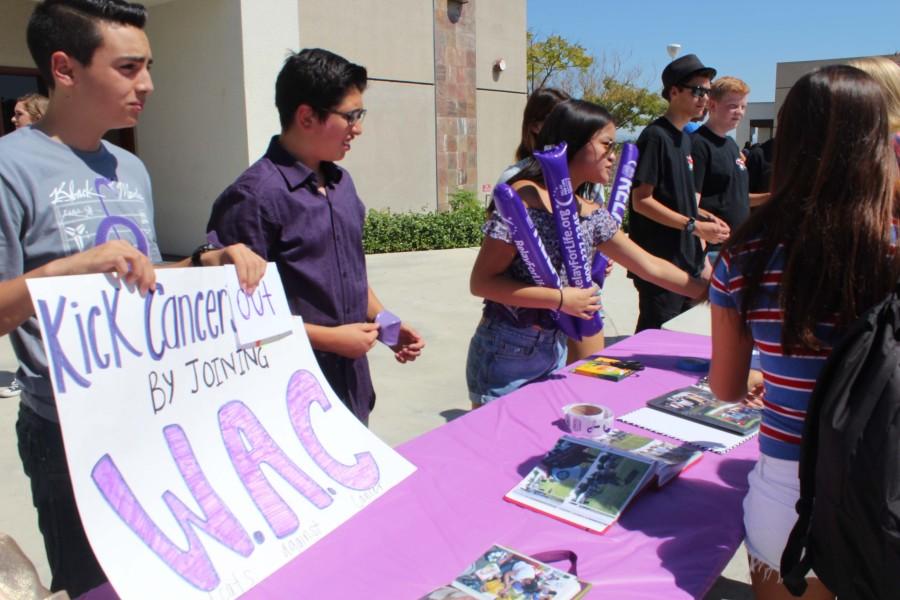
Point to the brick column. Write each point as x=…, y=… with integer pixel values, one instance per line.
x=454, y=81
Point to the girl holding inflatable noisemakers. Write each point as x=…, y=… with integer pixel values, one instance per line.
x=521, y=338
x=540, y=104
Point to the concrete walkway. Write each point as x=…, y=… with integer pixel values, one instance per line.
x=428, y=290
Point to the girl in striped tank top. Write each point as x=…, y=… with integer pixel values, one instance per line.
x=803, y=267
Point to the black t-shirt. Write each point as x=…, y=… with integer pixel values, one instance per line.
x=720, y=176
x=759, y=166
x=665, y=163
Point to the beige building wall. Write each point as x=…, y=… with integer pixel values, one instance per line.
x=501, y=27
x=393, y=40
x=393, y=161
x=213, y=111
x=501, y=97
x=269, y=32
x=787, y=74
x=498, y=140
x=193, y=134
x=756, y=111
x=13, y=49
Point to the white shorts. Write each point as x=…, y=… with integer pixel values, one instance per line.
x=770, y=510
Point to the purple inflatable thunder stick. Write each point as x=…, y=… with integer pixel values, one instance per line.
x=531, y=249
x=565, y=215
x=618, y=203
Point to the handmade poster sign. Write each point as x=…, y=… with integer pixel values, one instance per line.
x=199, y=467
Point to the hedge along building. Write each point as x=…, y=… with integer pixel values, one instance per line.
x=444, y=111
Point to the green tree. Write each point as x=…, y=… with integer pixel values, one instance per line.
x=552, y=56
x=629, y=104
x=603, y=79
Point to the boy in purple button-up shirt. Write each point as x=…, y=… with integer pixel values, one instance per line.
x=297, y=208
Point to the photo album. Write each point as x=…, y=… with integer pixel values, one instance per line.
x=589, y=482
x=697, y=403
x=507, y=574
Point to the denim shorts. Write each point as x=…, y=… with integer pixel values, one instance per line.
x=503, y=357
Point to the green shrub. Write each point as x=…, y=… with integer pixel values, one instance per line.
x=460, y=227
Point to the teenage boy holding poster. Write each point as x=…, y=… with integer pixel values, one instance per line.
x=297, y=208
x=665, y=220
x=63, y=191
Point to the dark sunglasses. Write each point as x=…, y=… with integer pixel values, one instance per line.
x=352, y=117
x=697, y=91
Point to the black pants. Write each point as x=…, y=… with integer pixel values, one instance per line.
x=72, y=562
x=657, y=305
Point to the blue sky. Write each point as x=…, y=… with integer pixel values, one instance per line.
x=743, y=39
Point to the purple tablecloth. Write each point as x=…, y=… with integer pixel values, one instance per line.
x=670, y=543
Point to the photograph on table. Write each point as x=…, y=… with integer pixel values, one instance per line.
x=677, y=456
x=561, y=470
x=507, y=574
x=588, y=483
x=697, y=403
x=610, y=483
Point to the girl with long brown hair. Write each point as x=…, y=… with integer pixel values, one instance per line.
x=800, y=270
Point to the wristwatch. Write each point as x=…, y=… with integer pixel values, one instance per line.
x=690, y=225
x=202, y=249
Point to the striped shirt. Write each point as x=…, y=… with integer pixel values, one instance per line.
x=789, y=380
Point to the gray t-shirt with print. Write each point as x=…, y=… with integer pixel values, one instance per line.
x=56, y=201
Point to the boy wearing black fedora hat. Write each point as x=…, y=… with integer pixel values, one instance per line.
x=665, y=219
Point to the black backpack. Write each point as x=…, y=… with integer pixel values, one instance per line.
x=848, y=528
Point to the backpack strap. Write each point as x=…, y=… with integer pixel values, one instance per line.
x=796, y=560
x=795, y=563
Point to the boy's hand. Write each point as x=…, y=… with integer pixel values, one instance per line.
x=249, y=265
x=714, y=232
x=409, y=346
x=355, y=339
x=117, y=256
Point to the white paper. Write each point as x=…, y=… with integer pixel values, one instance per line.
x=140, y=382
x=702, y=436
x=263, y=315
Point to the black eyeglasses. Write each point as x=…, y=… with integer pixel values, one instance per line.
x=352, y=117
x=697, y=91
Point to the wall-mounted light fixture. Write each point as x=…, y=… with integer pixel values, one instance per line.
x=454, y=9
x=499, y=65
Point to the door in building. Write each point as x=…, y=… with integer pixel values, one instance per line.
x=15, y=82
